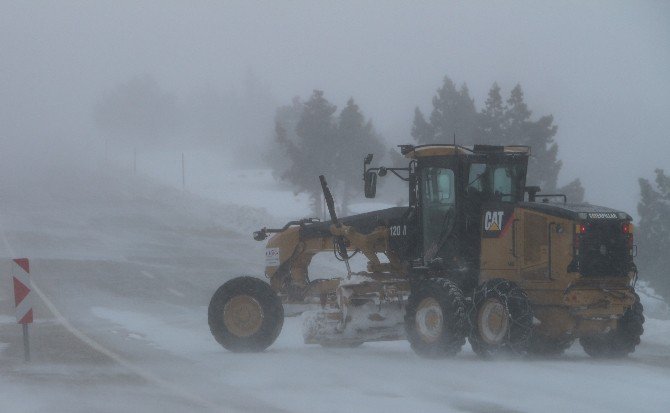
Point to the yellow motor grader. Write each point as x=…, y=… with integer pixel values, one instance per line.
x=476, y=254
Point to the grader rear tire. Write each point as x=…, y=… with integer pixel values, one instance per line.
x=501, y=319
x=620, y=342
x=245, y=315
x=435, y=320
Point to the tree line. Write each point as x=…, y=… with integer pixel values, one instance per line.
x=454, y=116
x=653, y=234
x=312, y=139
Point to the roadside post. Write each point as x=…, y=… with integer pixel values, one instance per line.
x=23, y=299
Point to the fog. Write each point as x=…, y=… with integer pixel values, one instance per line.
x=600, y=68
x=127, y=261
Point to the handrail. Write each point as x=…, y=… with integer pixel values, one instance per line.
x=514, y=238
x=262, y=233
x=565, y=197
x=549, y=249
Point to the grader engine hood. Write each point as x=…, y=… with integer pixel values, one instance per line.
x=601, y=238
x=577, y=212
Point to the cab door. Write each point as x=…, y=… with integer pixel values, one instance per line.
x=500, y=240
x=501, y=227
x=438, y=213
x=533, y=241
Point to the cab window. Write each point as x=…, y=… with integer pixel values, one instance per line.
x=438, y=186
x=476, y=177
x=491, y=182
x=506, y=183
x=502, y=184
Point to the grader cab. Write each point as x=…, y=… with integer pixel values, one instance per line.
x=473, y=255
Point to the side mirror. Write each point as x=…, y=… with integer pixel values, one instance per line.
x=370, y=184
x=368, y=159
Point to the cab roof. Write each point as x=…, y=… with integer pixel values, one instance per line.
x=421, y=151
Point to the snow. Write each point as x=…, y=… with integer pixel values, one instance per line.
x=130, y=266
x=654, y=305
x=155, y=331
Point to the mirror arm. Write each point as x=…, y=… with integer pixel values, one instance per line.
x=397, y=174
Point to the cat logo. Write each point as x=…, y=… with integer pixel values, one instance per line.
x=493, y=220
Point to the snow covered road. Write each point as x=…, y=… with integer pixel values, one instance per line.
x=171, y=363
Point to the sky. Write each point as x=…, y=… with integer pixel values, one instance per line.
x=600, y=67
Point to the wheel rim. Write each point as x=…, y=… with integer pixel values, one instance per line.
x=429, y=320
x=243, y=315
x=493, y=321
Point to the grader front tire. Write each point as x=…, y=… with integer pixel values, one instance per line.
x=245, y=315
x=435, y=320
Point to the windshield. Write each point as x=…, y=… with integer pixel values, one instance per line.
x=496, y=182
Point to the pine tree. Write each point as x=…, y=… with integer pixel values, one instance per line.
x=543, y=165
x=286, y=118
x=492, y=123
x=356, y=138
x=311, y=154
x=453, y=113
x=422, y=131
x=573, y=190
x=653, y=235
x=320, y=144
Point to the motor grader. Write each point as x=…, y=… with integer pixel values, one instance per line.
x=476, y=254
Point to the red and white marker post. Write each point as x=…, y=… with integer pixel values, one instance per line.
x=23, y=298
